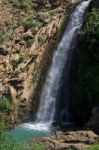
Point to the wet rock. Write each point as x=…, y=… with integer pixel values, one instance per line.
x=93, y=123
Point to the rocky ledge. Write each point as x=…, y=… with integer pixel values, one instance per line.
x=75, y=140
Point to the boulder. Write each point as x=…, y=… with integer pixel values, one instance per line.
x=68, y=140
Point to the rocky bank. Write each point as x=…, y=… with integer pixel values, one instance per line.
x=74, y=140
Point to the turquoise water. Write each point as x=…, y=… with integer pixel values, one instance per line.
x=22, y=134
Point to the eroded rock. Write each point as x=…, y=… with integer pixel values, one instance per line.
x=64, y=140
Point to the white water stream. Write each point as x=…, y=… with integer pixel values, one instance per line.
x=47, y=107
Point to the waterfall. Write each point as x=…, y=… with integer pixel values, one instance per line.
x=47, y=107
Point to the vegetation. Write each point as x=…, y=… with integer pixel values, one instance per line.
x=94, y=147
x=87, y=81
x=4, y=103
x=92, y=25
x=31, y=23
x=41, y=39
x=36, y=74
x=52, y=13
x=25, y=4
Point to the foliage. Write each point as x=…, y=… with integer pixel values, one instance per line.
x=36, y=74
x=41, y=39
x=16, y=2
x=4, y=103
x=92, y=25
x=30, y=23
x=87, y=80
x=29, y=42
x=25, y=4
x=94, y=147
x=52, y=13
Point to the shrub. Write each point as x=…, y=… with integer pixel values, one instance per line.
x=94, y=147
x=36, y=74
x=30, y=23
x=16, y=2
x=24, y=4
x=4, y=103
x=92, y=25
x=27, y=7
x=41, y=39
x=52, y=13
x=29, y=41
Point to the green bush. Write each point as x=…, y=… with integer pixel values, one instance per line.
x=41, y=39
x=27, y=7
x=16, y=2
x=92, y=25
x=52, y=13
x=4, y=103
x=31, y=23
x=29, y=41
x=25, y=4
x=94, y=147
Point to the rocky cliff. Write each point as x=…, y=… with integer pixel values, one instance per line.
x=28, y=34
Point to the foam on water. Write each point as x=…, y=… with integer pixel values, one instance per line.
x=36, y=126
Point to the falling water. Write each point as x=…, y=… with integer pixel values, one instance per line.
x=47, y=107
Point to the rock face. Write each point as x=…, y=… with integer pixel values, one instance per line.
x=70, y=140
x=94, y=120
x=25, y=35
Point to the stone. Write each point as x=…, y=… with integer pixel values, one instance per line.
x=73, y=139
